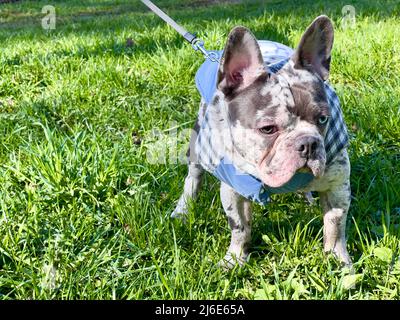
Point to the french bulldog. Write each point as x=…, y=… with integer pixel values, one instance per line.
x=274, y=127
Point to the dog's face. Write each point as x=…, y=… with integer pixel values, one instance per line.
x=278, y=121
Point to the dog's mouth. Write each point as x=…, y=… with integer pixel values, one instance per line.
x=304, y=169
x=278, y=175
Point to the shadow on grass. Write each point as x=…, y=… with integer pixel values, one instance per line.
x=108, y=16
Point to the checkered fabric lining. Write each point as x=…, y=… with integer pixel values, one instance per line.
x=336, y=137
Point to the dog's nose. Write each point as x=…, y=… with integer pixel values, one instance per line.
x=307, y=146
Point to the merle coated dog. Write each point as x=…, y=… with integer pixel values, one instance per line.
x=272, y=124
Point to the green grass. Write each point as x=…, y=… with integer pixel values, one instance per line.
x=84, y=215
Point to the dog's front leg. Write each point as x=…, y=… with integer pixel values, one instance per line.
x=335, y=204
x=238, y=212
x=190, y=190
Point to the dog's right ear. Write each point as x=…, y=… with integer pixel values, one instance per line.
x=242, y=62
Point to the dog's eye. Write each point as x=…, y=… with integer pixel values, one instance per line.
x=268, y=129
x=323, y=120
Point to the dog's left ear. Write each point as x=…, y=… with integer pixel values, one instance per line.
x=314, y=50
x=242, y=63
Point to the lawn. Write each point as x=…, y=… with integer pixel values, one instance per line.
x=84, y=211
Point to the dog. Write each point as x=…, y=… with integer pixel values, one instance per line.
x=272, y=124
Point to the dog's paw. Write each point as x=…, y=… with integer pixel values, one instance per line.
x=180, y=213
x=231, y=260
x=309, y=197
x=343, y=258
x=340, y=252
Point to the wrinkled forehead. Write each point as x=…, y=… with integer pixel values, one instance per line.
x=261, y=100
x=303, y=84
x=288, y=92
x=307, y=90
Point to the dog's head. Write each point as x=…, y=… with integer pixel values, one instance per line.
x=278, y=121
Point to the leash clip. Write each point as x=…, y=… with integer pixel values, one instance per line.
x=198, y=45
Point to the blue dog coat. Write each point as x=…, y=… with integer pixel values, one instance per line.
x=213, y=159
